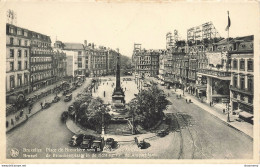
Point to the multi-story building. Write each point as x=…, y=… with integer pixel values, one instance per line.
x=111, y=61
x=41, y=61
x=59, y=64
x=178, y=55
x=75, y=58
x=17, y=61
x=97, y=60
x=147, y=62
x=217, y=71
x=242, y=76
x=162, y=60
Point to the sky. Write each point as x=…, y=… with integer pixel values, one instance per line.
x=120, y=25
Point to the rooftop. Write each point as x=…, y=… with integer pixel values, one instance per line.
x=73, y=46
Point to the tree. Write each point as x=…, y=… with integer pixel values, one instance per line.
x=148, y=106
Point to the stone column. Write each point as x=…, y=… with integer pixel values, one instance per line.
x=209, y=89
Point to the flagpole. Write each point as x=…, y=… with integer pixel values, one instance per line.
x=228, y=27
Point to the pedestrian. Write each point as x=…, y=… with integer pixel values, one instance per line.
x=41, y=105
x=210, y=104
x=223, y=111
x=180, y=95
x=104, y=93
x=186, y=100
x=136, y=140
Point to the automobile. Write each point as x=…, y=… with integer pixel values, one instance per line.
x=141, y=144
x=79, y=84
x=110, y=142
x=65, y=92
x=76, y=140
x=56, y=99
x=87, y=142
x=64, y=116
x=68, y=98
x=46, y=105
x=71, y=110
x=162, y=133
x=97, y=145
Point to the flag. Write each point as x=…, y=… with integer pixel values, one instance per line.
x=229, y=23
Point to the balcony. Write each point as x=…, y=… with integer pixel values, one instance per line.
x=219, y=74
x=244, y=91
x=41, y=62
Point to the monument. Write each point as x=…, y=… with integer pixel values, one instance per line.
x=118, y=96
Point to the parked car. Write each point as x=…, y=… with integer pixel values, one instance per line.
x=56, y=99
x=97, y=145
x=64, y=116
x=68, y=98
x=87, y=142
x=162, y=133
x=110, y=142
x=65, y=92
x=46, y=105
x=141, y=144
x=76, y=140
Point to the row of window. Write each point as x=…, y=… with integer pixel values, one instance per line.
x=242, y=82
x=41, y=67
x=19, y=80
x=41, y=44
x=19, y=66
x=40, y=59
x=24, y=33
x=250, y=64
x=41, y=52
x=19, y=42
x=19, y=31
x=38, y=77
x=19, y=53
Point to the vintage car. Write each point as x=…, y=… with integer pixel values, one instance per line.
x=141, y=144
x=76, y=140
x=56, y=99
x=65, y=92
x=97, y=145
x=162, y=133
x=68, y=98
x=110, y=142
x=87, y=142
x=46, y=105
x=64, y=116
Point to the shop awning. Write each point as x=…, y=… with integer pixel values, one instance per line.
x=246, y=114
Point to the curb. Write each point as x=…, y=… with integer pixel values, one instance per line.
x=228, y=124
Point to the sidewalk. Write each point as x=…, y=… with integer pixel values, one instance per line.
x=35, y=108
x=43, y=89
x=217, y=111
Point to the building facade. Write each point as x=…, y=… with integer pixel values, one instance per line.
x=242, y=76
x=75, y=58
x=17, y=61
x=41, y=61
x=147, y=62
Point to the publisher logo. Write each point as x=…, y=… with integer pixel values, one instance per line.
x=14, y=152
